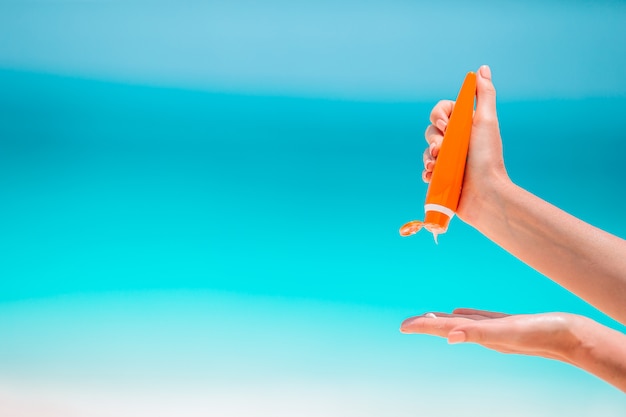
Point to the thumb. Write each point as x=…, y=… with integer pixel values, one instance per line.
x=485, y=96
x=481, y=332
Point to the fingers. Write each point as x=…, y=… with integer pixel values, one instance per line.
x=434, y=137
x=485, y=97
x=495, y=334
x=429, y=164
x=485, y=119
x=486, y=332
x=463, y=325
x=428, y=159
x=484, y=313
x=440, y=114
x=439, y=117
x=437, y=324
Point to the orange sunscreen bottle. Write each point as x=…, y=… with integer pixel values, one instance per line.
x=442, y=197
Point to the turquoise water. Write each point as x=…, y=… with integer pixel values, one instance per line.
x=167, y=249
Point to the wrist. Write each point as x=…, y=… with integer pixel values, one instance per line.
x=484, y=202
x=595, y=345
x=598, y=350
x=576, y=341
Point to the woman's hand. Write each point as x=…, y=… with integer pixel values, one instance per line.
x=550, y=335
x=570, y=338
x=485, y=164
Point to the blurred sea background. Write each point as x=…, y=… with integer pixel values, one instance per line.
x=200, y=203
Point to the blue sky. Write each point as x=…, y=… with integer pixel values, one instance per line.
x=391, y=50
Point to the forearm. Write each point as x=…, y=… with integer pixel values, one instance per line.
x=586, y=260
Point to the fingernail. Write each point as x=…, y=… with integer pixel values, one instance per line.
x=432, y=148
x=485, y=72
x=441, y=125
x=406, y=323
x=456, y=337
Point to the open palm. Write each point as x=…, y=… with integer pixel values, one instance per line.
x=550, y=335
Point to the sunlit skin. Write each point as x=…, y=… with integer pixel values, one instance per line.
x=569, y=338
x=549, y=335
x=587, y=261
